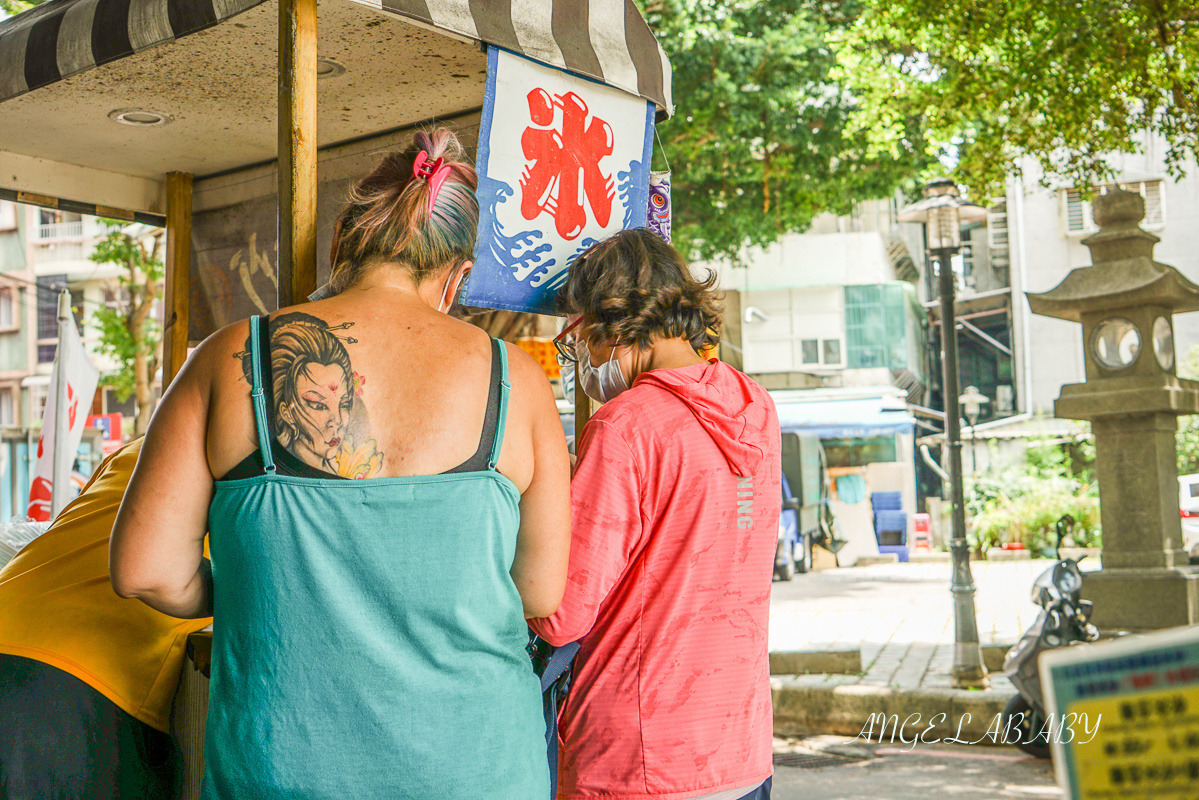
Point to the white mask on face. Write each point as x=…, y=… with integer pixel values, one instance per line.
x=601, y=383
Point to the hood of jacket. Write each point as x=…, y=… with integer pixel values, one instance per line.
x=735, y=411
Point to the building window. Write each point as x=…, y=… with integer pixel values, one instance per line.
x=8, y=315
x=1077, y=212
x=8, y=406
x=860, y=452
x=831, y=351
x=997, y=230
x=998, y=237
x=58, y=224
x=48, y=287
x=810, y=351
x=876, y=326
x=820, y=352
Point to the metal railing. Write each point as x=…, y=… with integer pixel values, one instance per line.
x=60, y=251
x=60, y=230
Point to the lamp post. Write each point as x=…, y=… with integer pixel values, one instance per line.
x=972, y=401
x=942, y=211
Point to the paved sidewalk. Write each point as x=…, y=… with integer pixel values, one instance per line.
x=900, y=617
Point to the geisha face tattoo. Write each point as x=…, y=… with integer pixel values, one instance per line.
x=322, y=414
x=318, y=414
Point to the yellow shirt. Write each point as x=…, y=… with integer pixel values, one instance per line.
x=58, y=607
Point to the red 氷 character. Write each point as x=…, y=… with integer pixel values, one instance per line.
x=564, y=164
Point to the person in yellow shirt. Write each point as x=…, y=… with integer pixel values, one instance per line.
x=86, y=677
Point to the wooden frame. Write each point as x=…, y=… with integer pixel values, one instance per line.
x=297, y=151
x=177, y=296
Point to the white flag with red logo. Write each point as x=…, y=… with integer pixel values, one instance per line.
x=82, y=377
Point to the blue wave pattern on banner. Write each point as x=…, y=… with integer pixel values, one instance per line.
x=517, y=252
x=627, y=187
x=530, y=264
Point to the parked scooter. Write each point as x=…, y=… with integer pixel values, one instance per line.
x=1064, y=620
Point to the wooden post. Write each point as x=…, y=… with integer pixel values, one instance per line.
x=297, y=151
x=177, y=297
x=582, y=408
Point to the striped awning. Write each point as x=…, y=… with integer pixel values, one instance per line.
x=607, y=40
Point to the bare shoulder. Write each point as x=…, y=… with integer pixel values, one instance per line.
x=212, y=357
x=218, y=358
x=528, y=379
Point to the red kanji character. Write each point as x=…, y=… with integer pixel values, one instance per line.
x=564, y=165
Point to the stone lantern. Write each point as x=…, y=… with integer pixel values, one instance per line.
x=1132, y=397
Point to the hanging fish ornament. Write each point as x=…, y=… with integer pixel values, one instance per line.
x=658, y=219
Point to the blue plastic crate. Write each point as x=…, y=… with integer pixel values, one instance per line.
x=891, y=521
x=886, y=501
x=900, y=550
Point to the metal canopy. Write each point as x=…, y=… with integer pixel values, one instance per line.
x=210, y=65
x=843, y=418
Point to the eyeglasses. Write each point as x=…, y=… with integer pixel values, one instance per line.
x=565, y=348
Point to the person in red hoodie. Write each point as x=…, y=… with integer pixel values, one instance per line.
x=674, y=507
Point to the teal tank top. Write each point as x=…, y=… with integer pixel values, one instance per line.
x=369, y=641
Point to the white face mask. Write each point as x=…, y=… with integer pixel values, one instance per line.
x=601, y=383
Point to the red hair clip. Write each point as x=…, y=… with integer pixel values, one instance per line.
x=435, y=172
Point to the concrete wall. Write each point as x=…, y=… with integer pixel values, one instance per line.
x=810, y=259
x=776, y=322
x=1049, y=352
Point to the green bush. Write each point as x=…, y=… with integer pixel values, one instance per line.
x=1024, y=504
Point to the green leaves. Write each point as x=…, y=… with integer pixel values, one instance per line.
x=1187, y=437
x=762, y=139
x=1061, y=84
x=129, y=331
x=10, y=8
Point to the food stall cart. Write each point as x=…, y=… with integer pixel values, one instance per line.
x=237, y=124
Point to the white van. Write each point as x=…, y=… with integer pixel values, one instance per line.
x=1188, y=509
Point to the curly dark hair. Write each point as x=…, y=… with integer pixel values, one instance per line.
x=633, y=287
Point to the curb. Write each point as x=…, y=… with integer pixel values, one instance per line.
x=808, y=704
x=845, y=661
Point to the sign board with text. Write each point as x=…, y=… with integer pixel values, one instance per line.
x=563, y=163
x=1144, y=692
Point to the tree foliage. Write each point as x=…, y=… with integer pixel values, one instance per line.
x=1063, y=84
x=129, y=331
x=761, y=141
x=1024, y=503
x=1187, y=437
x=10, y=8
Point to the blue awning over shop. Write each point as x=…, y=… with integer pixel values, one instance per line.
x=848, y=418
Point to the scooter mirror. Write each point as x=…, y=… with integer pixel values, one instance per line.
x=1066, y=577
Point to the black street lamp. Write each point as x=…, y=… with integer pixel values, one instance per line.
x=943, y=211
x=972, y=401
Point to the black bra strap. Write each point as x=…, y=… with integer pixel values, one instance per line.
x=482, y=458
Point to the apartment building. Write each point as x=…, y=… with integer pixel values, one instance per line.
x=42, y=252
x=1045, y=227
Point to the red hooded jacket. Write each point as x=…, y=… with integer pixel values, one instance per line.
x=675, y=505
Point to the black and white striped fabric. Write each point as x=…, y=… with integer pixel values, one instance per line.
x=607, y=40
x=603, y=39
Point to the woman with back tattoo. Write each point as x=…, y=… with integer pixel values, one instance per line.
x=370, y=574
